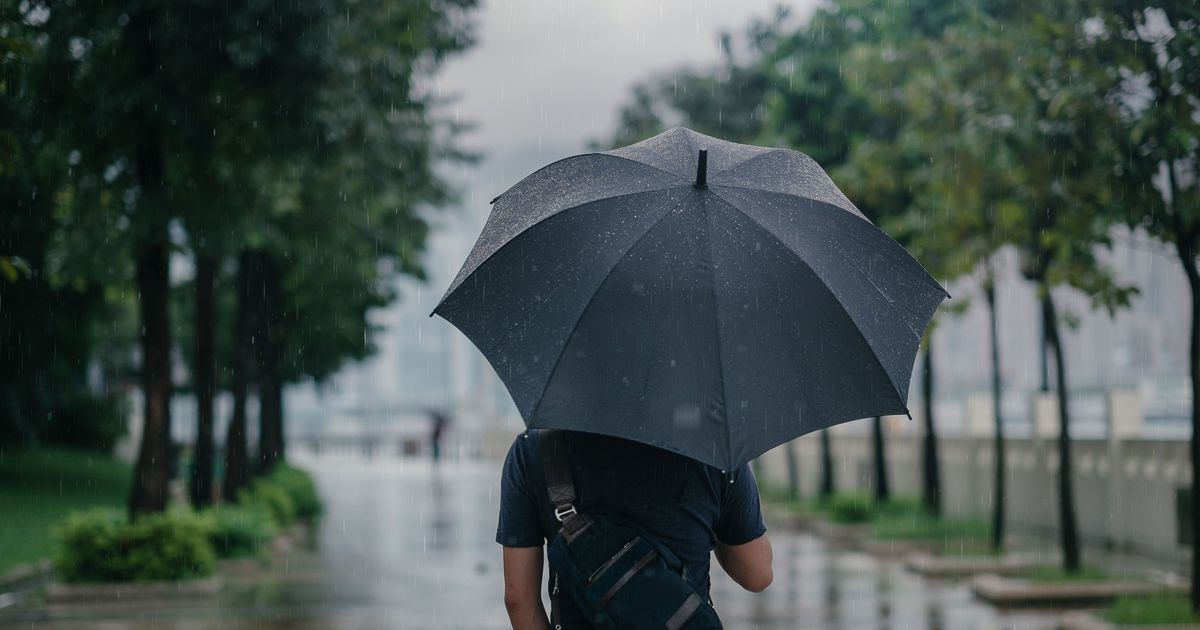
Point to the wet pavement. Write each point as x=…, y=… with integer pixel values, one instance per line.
x=409, y=545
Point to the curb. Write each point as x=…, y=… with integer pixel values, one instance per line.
x=934, y=566
x=1013, y=593
x=26, y=574
x=59, y=594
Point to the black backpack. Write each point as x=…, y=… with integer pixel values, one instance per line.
x=615, y=573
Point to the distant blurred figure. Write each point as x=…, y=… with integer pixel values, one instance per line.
x=439, y=427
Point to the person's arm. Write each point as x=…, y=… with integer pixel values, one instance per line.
x=749, y=564
x=742, y=548
x=522, y=588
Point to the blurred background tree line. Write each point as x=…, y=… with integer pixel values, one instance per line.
x=285, y=151
x=967, y=128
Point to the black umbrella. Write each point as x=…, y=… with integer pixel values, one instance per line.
x=707, y=297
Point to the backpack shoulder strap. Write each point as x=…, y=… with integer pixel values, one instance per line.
x=559, y=483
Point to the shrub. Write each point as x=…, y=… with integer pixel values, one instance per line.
x=239, y=531
x=100, y=545
x=300, y=488
x=850, y=508
x=267, y=495
x=90, y=547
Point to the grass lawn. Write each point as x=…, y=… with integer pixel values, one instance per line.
x=1151, y=610
x=1057, y=574
x=920, y=526
x=38, y=487
x=902, y=518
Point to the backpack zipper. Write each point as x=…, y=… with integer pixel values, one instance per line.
x=641, y=564
x=608, y=563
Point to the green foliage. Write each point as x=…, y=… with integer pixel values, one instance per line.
x=239, y=531
x=101, y=545
x=1151, y=610
x=851, y=507
x=40, y=487
x=273, y=499
x=300, y=488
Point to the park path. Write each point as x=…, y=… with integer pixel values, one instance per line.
x=406, y=544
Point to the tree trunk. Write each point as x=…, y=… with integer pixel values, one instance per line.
x=270, y=443
x=1187, y=256
x=793, y=468
x=929, y=451
x=827, y=481
x=204, y=379
x=1001, y=471
x=1044, y=356
x=883, y=491
x=152, y=472
x=237, y=469
x=1066, y=494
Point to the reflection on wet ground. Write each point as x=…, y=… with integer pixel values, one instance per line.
x=408, y=545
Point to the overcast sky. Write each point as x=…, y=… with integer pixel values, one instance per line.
x=553, y=72
x=547, y=76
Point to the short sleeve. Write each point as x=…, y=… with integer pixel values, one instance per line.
x=519, y=525
x=741, y=519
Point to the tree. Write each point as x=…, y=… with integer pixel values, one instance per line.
x=832, y=96
x=363, y=189
x=156, y=145
x=48, y=331
x=1022, y=116
x=1146, y=65
x=101, y=64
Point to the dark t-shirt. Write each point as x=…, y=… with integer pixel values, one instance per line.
x=686, y=505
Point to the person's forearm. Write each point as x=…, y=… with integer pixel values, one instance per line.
x=527, y=615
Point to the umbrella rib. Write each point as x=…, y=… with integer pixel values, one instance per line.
x=770, y=151
x=588, y=305
x=852, y=210
x=712, y=273
x=854, y=323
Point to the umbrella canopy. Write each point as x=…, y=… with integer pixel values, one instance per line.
x=710, y=298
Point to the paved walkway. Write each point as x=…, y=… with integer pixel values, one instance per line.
x=407, y=545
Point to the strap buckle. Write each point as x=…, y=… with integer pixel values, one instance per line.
x=561, y=513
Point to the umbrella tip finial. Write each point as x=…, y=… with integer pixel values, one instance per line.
x=702, y=170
